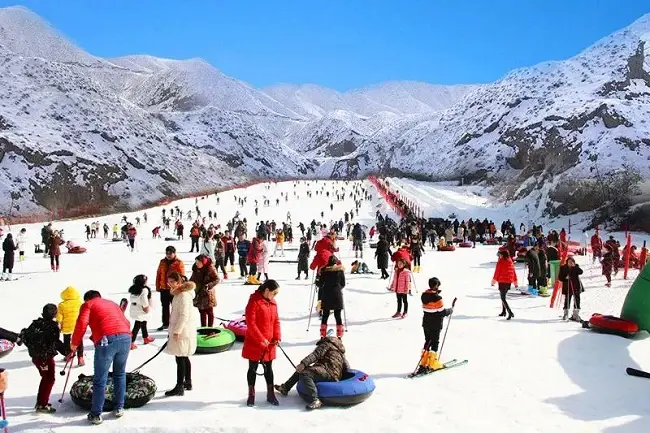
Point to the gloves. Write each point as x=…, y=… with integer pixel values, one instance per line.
x=300, y=368
x=493, y=283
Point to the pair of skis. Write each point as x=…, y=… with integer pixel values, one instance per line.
x=446, y=366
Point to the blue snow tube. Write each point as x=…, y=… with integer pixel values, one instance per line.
x=355, y=387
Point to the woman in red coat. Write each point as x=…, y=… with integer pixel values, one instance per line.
x=505, y=274
x=262, y=335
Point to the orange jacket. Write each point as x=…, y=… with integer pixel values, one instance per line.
x=164, y=269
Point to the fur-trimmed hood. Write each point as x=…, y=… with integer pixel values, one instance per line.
x=334, y=268
x=187, y=286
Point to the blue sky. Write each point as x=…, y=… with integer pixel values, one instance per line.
x=343, y=44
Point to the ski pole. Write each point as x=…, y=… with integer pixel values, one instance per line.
x=453, y=304
x=65, y=385
x=312, y=295
x=287, y=356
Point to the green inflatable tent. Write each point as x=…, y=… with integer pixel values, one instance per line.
x=637, y=302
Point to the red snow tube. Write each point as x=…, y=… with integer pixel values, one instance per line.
x=466, y=245
x=238, y=327
x=447, y=248
x=76, y=250
x=613, y=325
x=491, y=241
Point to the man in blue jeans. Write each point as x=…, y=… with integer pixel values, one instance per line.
x=111, y=335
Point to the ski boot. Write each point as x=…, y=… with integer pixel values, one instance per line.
x=424, y=363
x=434, y=364
x=576, y=315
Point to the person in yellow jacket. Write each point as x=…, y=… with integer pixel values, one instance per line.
x=279, y=243
x=66, y=317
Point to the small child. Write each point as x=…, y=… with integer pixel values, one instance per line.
x=42, y=341
x=139, y=308
x=66, y=317
x=434, y=313
x=417, y=249
x=303, y=258
x=401, y=285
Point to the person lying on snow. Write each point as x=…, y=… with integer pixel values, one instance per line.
x=326, y=363
x=360, y=268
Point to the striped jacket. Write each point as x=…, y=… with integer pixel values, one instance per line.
x=434, y=310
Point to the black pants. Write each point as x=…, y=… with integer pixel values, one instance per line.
x=54, y=261
x=47, y=247
x=219, y=264
x=252, y=269
x=66, y=342
x=195, y=242
x=326, y=315
x=503, y=290
x=242, y=266
x=402, y=298
x=384, y=273
x=137, y=327
x=132, y=243
x=251, y=374
x=431, y=337
x=532, y=281
x=416, y=260
x=567, y=299
x=230, y=257
x=165, y=301
x=309, y=379
x=183, y=370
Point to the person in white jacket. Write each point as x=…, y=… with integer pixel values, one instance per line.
x=139, y=306
x=182, y=331
x=21, y=241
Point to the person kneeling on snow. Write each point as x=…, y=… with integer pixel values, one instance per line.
x=326, y=363
x=359, y=268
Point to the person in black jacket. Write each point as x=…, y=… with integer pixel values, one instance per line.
x=331, y=283
x=534, y=270
x=569, y=276
x=9, y=247
x=542, y=280
x=303, y=258
x=382, y=253
x=434, y=313
x=43, y=343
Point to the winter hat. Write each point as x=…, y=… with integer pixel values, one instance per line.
x=49, y=312
x=170, y=249
x=203, y=259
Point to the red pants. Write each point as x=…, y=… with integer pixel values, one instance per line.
x=46, y=368
x=207, y=317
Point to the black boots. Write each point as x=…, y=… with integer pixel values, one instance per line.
x=251, y=396
x=270, y=396
x=178, y=390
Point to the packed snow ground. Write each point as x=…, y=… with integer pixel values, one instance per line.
x=531, y=374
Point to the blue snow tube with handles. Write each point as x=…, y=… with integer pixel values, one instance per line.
x=355, y=387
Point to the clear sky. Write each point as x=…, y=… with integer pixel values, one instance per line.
x=343, y=44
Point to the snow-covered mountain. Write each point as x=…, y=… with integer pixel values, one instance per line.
x=77, y=130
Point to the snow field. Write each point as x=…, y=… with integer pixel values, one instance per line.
x=531, y=374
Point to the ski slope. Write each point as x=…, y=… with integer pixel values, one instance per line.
x=531, y=374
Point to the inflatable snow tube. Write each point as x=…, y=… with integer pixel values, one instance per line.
x=76, y=250
x=465, y=245
x=491, y=241
x=355, y=387
x=238, y=327
x=214, y=340
x=613, y=325
x=447, y=248
x=140, y=390
x=170, y=239
x=6, y=347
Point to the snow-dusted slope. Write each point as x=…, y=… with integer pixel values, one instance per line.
x=138, y=128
